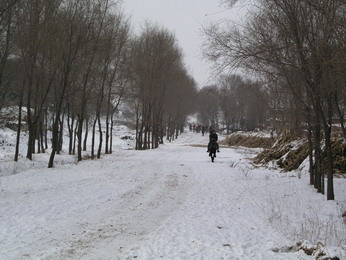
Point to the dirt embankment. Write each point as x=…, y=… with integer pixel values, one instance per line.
x=286, y=151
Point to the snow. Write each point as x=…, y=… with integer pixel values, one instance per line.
x=168, y=203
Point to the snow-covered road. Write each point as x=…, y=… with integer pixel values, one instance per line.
x=169, y=203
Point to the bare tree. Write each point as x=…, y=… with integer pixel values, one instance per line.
x=71, y=34
x=8, y=9
x=298, y=41
x=156, y=64
x=209, y=106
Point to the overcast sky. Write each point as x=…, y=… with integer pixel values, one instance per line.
x=184, y=18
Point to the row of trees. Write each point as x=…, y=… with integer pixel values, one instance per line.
x=298, y=48
x=70, y=63
x=234, y=103
x=162, y=88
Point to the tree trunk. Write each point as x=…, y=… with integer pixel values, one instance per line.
x=61, y=134
x=46, y=130
x=318, y=156
x=86, y=133
x=329, y=151
x=330, y=185
x=111, y=136
x=101, y=136
x=310, y=143
x=41, y=134
x=107, y=134
x=79, y=137
x=70, y=125
x=93, y=140
x=55, y=139
x=74, y=139
x=30, y=133
x=19, y=127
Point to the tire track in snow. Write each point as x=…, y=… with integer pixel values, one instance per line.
x=140, y=210
x=110, y=209
x=216, y=218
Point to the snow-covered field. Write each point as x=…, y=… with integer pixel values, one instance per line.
x=168, y=203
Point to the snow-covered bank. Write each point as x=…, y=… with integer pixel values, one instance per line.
x=169, y=203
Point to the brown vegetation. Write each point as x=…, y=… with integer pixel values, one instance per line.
x=288, y=155
x=339, y=155
x=237, y=139
x=287, y=150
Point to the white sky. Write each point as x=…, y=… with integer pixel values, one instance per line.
x=185, y=19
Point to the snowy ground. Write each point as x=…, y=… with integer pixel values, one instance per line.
x=169, y=203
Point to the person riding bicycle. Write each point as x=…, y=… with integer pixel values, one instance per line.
x=213, y=146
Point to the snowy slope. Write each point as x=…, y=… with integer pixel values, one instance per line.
x=169, y=203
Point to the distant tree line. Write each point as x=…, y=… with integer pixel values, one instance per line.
x=70, y=63
x=234, y=104
x=297, y=48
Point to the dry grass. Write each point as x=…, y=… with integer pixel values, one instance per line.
x=281, y=147
x=289, y=156
x=294, y=158
x=248, y=141
x=339, y=155
x=288, y=151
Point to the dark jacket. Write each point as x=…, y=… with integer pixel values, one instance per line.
x=213, y=136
